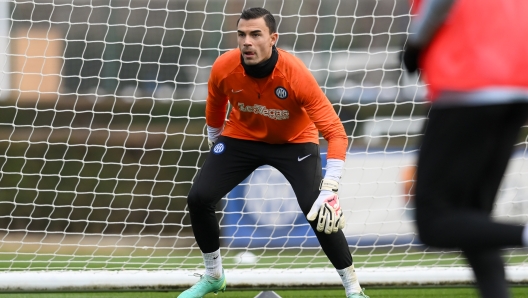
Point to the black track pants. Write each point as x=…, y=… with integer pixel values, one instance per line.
x=224, y=170
x=462, y=160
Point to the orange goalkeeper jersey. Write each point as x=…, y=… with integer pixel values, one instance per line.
x=286, y=107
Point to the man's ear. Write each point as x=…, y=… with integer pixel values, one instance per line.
x=274, y=38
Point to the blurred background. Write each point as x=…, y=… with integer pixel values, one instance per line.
x=102, y=101
x=164, y=49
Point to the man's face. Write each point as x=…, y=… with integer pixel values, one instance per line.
x=255, y=41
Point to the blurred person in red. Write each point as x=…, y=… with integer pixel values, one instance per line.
x=473, y=56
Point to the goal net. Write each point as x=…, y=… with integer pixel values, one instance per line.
x=102, y=131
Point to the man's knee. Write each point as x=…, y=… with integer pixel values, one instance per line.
x=430, y=230
x=426, y=233
x=199, y=200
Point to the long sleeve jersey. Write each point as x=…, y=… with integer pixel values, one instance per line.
x=286, y=107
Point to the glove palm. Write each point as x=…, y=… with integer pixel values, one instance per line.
x=327, y=209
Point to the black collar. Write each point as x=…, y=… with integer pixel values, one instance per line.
x=264, y=68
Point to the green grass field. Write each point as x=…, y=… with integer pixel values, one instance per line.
x=185, y=260
x=462, y=292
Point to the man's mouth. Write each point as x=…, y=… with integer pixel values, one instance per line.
x=249, y=54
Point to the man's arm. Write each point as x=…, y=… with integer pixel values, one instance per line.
x=322, y=114
x=326, y=209
x=215, y=108
x=431, y=16
x=424, y=26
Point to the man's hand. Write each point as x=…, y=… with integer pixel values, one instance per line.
x=411, y=57
x=210, y=143
x=327, y=209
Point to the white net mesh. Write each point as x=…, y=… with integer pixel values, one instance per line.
x=102, y=131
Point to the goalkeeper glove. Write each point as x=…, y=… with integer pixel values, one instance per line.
x=411, y=57
x=212, y=135
x=327, y=209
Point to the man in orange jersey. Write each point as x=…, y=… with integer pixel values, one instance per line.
x=278, y=112
x=473, y=57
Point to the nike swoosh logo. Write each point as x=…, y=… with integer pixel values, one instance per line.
x=236, y=91
x=302, y=158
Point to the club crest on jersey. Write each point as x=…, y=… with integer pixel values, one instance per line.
x=219, y=148
x=281, y=92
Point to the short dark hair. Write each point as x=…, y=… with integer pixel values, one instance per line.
x=259, y=12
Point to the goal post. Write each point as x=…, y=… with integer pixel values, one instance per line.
x=102, y=130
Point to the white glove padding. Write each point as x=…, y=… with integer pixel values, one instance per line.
x=327, y=209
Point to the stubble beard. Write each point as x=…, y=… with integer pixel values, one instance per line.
x=251, y=61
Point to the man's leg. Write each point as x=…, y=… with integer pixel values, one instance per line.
x=464, y=154
x=488, y=267
x=228, y=163
x=305, y=177
x=220, y=173
x=463, y=157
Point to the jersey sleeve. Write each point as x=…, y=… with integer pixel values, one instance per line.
x=430, y=16
x=216, y=103
x=322, y=114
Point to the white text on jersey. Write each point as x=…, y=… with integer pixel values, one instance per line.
x=262, y=110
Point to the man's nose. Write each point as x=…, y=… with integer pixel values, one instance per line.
x=247, y=41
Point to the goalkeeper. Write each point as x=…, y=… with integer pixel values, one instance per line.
x=473, y=56
x=278, y=109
